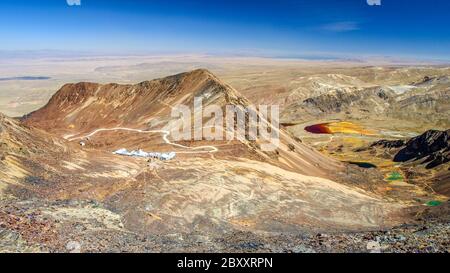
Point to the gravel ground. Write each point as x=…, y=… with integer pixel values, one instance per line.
x=28, y=227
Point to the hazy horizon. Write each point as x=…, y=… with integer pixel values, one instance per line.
x=282, y=29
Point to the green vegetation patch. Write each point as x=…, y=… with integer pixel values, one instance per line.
x=395, y=176
x=434, y=203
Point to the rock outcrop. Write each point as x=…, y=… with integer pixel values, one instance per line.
x=431, y=149
x=433, y=146
x=389, y=144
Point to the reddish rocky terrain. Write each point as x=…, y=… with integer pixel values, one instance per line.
x=63, y=189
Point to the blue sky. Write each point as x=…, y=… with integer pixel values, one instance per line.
x=398, y=28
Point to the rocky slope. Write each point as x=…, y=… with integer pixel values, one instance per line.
x=355, y=102
x=79, y=109
x=72, y=195
x=396, y=94
x=20, y=143
x=425, y=158
x=431, y=149
x=432, y=146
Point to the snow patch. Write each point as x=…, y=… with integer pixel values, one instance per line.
x=140, y=153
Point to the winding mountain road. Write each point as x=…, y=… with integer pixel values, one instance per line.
x=165, y=134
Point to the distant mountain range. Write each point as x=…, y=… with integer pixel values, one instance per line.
x=26, y=78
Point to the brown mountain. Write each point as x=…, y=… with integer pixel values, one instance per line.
x=86, y=193
x=430, y=149
x=81, y=108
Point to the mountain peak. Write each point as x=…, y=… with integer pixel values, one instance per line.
x=79, y=103
x=84, y=108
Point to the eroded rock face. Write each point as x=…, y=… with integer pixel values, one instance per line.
x=364, y=100
x=430, y=80
x=388, y=143
x=432, y=148
x=433, y=145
